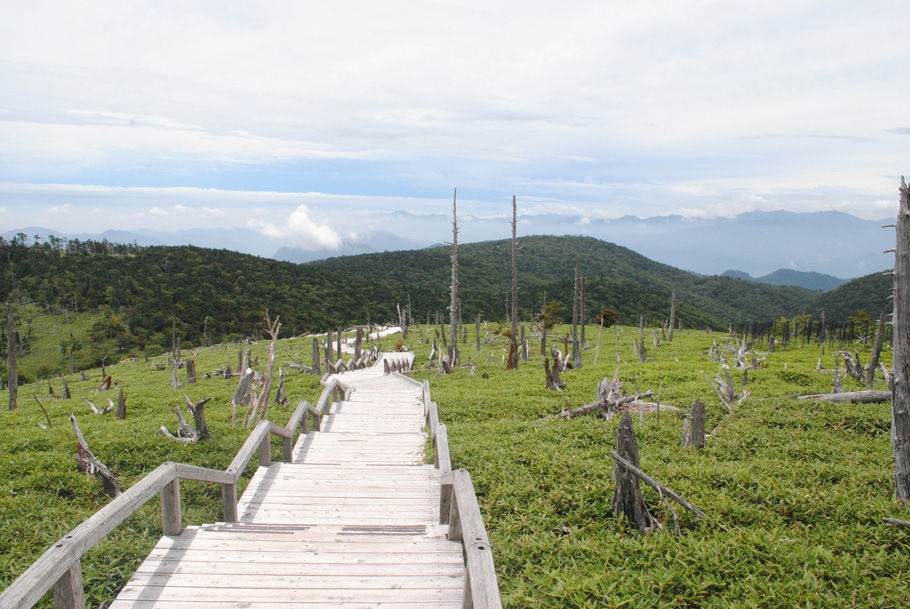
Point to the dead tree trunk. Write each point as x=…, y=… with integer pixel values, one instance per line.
x=316, y=369
x=543, y=341
x=581, y=314
x=477, y=330
x=627, y=497
x=358, y=341
x=329, y=350
x=13, y=379
x=576, y=352
x=89, y=464
x=876, y=351
x=121, y=404
x=190, y=371
x=453, y=302
x=524, y=345
x=900, y=401
x=672, y=315
x=513, y=348
x=259, y=403
x=337, y=341
x=694, y=427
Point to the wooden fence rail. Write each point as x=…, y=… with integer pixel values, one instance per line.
x=459, y=508
x=60, y=565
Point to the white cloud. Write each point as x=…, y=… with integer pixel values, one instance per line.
x=156, y=211
x=58, y=209
x=303, y=228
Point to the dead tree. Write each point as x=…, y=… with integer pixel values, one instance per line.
x=121, y=404
x=553, y=382
x=581, y=313
x=259, y=403
x=627, y=497
x=524, y=345
x=694, y=426
x=190, y=371
x=185, y=433
x=576, y=351
x=672, y=315
x=90, y=464
x=477, y=331
x=358, y=341
x=329, y=350
x=876, y=351
x=66, y=390
x=13, y=378
x=402, y=321
x=243, y=394
x=453, y=303
x=610, y=399
x=870, y=396
x=900, y=401
x=513, y=346
x=280, y=396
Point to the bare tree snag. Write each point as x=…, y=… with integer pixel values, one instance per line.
x=477, y=331
x=338, y=342
x=242, y=395
x=672, y=314
x=258, y=404
x=576, y=351
x=329, y=349
x=876, y=351
x=513, y=338
x=190, y=371
x=105, y=385
x=524, y=345
x=553, y=382
x=121, y=404
x=581, y=314
x=694, y=427
x=44, y=410
x=543, y=342
x=900, y=401
x=89, y=464
x=185, y=433
x=66, y=390
x=453, y=302
x=13, y=377
x=280, y=397
x=661, y=489
x=358, y=342
x=627, y=497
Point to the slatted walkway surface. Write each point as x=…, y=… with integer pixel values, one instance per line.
x=352, y=522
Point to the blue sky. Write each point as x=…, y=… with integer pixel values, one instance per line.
x=313, y=120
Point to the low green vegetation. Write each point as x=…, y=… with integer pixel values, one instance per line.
x=796, y=490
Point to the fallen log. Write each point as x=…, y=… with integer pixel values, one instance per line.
x=868, y=396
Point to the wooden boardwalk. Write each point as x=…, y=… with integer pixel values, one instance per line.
x=352, y=521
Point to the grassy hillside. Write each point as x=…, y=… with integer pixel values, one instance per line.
x=795, y=490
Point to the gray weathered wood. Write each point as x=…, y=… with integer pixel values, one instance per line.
x=694, y=430
x=627, y=497
x=672, y=314
x=68, y=590
x=657, y=486
x=171, y=518
x=856, y=397
x=900, y=402
x=13, y=376
x=481, y=586
x=876, y=351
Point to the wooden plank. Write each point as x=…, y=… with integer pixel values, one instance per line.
x=281, y=567
x=227, y=583
x=381, y=545
x=304, y=559
x=297, y=595
x=227, y=604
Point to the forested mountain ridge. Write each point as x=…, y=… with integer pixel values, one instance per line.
x=214, y=295
x=545, y=261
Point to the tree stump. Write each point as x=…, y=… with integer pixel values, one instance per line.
x=627, y=497
x=694, y=427
x=190, y=371
x=121, y=405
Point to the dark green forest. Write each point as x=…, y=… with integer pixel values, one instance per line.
x=218, y=295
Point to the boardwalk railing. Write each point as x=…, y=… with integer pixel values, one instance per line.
x=459, y=508
x=60, y=565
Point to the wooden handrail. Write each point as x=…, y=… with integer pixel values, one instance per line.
x=459, y=508
x=466, y=525
x=60, y=565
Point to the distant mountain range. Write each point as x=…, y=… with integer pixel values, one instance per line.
x=810, y=280
x=829, y=243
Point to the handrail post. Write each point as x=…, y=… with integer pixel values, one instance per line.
x=171, y=518
x=229, y=499
x=265, y=449
x=287, y=450
x=68, y=592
